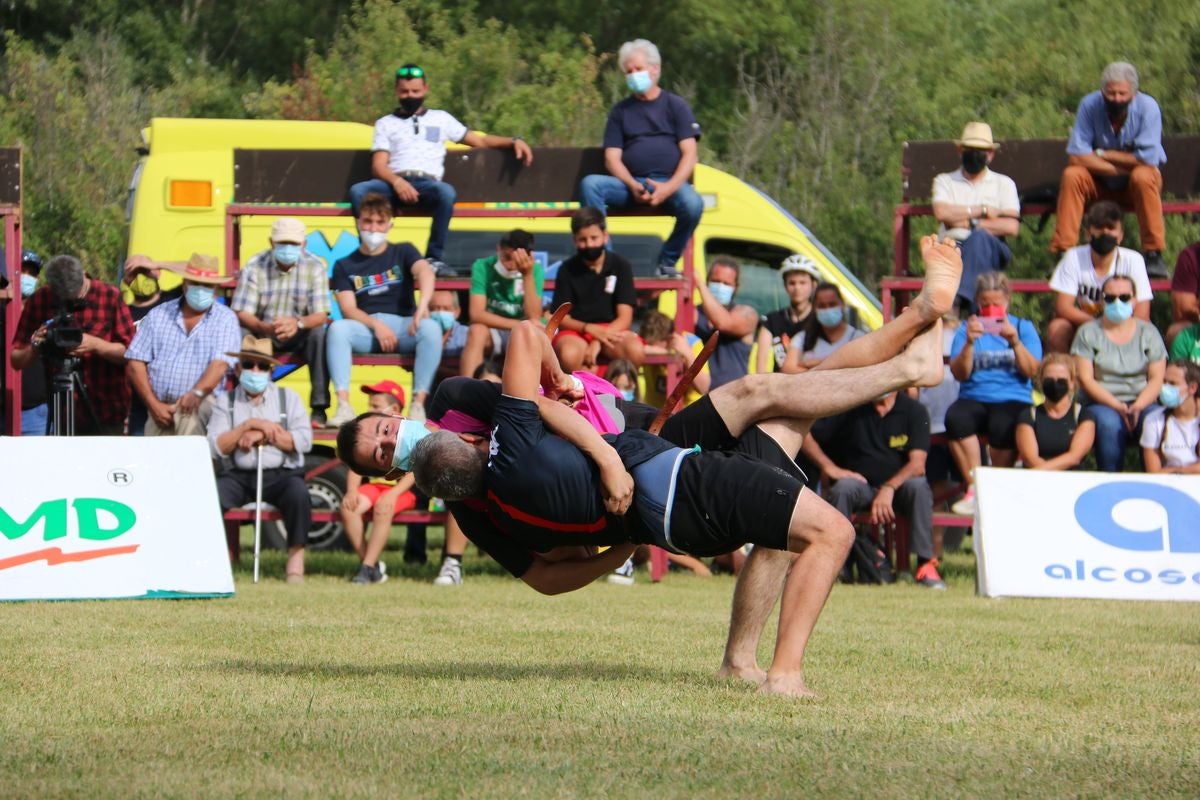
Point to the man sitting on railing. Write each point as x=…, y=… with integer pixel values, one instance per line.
x=408, y=156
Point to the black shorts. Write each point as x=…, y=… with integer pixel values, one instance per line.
x=725, y=499
x=998, y=421
x=700, y=424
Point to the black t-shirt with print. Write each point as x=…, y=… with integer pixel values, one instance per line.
x=873, y=446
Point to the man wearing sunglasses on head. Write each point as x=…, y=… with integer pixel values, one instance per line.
x=408, y=157
x=254, y=415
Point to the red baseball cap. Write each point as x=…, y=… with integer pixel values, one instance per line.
x=387, y=387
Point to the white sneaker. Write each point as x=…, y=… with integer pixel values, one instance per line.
x=622, y=575
x=416, y=411
x=345, y=413
x=450, y=573
x=965, y=505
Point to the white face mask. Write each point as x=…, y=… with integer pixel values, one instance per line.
x=373, y=240
x=505, y=272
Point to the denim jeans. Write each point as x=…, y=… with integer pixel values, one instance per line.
x=602, y=191
x=981, y=252
x=33, y=420
x=346, y=337
x=1112, y=436
x=436, y=196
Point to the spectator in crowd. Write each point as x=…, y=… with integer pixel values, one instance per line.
x=490, y=370
x=1187, y=344
x=598, y=284
x=381, y=499
x=1114, y=153
x=1185, y=292
x=35, y=413
x=1171, y=433
x=622, y=374
x=940, y=470
x=253, y=416
x=800, y=278
x=736, y=323
x=505, y=289
x=1054, y=436
x=374, y=287
x=180, y=355
x=445, y=311
x=658, y=331
x=649, y=152
x=977, y=208
x=283, y=294
x=825, y=331
x=97, y=309
x=876, y=460
x=140, y=276
x=1120, y=360
x=408, y=155
x=993, y=357
x=1082, y=271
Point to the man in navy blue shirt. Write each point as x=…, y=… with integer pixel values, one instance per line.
x=649, y=152
x=1114, y=153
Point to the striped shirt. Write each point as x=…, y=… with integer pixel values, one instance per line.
x=176, y=358
x=267, y=292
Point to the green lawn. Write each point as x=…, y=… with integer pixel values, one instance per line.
x=490, y=690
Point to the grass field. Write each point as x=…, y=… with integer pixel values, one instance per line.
x=490, y=690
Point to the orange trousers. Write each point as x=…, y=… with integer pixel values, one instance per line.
x=1080, y=189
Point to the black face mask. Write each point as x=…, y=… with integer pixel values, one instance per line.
x=410, y=105
x=1116, y=109
x=973, y=161
x=1104, y=244
x=591, y=254
x=1055, y=389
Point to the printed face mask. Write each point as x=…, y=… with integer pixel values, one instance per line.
x=143, y=286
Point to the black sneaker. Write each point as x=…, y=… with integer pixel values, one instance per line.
x=367, y=574
x=667, y=271
x=1155, y=266
x=319, y=419
x=441, y=268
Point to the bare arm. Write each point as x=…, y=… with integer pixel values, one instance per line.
x=1155, y=371
x=574, y=572
x=1081, y=445
x=1065, y=307
x=616, y=167
x=765, y=353
x=520, y=149
x=1141, y=310
x=683, y=171
x=1027, y=447
x=1185, y=307
x=738, y=321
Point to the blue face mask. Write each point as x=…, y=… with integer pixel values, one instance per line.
x=254, y=382
x=200, y=297
x=287, y=254
x=639, y=82
x=28, y=285
x=444, y=318
x=627, y=394
x=722, y=292
x=411, y=432
x=1118, y=311
x=1169, y=396
x=830, y=317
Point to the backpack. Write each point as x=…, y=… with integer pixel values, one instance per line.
x=868, y=561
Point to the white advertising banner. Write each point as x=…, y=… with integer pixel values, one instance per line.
x=110, y=517
x=1087, y=534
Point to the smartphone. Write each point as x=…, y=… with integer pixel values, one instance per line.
x=992, y=325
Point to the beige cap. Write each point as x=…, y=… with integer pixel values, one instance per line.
x=977, y=135
x=289, y=230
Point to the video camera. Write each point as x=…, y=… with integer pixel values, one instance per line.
x=63, y=333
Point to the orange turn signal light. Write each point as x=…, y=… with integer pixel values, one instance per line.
x=192, y=194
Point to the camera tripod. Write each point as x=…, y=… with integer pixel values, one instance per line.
x=64, y=385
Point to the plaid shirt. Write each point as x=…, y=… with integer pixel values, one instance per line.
x=175, y=357
x=105, y=317
x=268, y=292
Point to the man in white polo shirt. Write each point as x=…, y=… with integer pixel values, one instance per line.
x=408, y=157
x=976, y=207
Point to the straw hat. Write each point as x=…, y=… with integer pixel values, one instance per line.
x=256, y=349
x=203, y=269
x=978, y=136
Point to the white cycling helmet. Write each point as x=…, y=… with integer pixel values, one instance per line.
x=798, y=262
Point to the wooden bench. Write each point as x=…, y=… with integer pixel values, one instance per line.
x=895, y=542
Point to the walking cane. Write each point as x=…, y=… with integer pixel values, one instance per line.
x=258, y=513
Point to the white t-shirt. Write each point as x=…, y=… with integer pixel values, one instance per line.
x=1076, y=276
x=1182, y=438
x=991, y=189
x=417, y=143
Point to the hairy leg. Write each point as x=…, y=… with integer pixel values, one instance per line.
x=757, y=589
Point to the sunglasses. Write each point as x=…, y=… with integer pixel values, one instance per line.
x=256, y=365
x=410, y=72
x=1112, y=298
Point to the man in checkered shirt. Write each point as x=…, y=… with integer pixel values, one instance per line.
x=283, y=295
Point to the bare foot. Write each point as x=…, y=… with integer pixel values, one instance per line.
x=787, y=686
x=923, y=357
x=751, y=674
x=943, y=272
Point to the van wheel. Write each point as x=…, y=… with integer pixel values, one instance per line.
x=326, y=491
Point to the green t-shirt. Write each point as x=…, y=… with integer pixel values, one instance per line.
x=505, y=296
x=1120, y=368
x=1187, y=344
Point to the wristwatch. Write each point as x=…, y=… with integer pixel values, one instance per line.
x=199, y=393
x=300, y=323
x=1099, y=152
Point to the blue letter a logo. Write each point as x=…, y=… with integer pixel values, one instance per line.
x=1094, y=511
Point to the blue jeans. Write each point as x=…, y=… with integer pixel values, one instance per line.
x=1112, y=436
x=602, y=191
x=436, y=196
x=981, y=252
x=346, y=337
x=33, y=420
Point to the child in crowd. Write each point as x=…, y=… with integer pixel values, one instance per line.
x=659, y=334
x=1171, y=434
x=622, y=374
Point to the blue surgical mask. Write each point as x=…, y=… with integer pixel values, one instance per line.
x=639, y=82
x=627, y=394
x=723, y=292
x=830, y=317
x=287, y=254
x=254, y=382
x=28, y=285
x=1118, y=311
x=411, y=432
x=1169, y=396
x=444, y=318
x=200, y=297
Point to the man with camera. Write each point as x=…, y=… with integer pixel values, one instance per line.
x=79, y=327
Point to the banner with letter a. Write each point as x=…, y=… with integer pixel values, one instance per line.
x=1087, y=534
x=110, y=517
